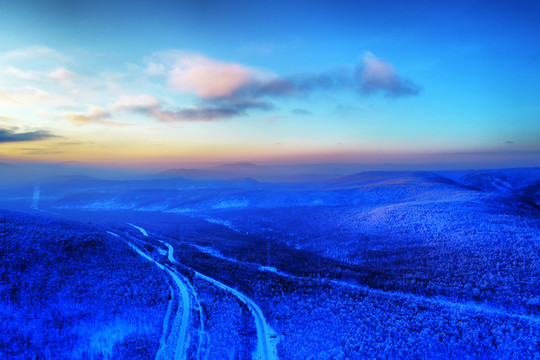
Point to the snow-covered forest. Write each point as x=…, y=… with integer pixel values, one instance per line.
x=404, y=265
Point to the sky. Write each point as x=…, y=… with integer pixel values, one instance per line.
x=158, y=84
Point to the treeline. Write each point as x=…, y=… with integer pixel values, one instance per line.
x=229, y=326
x=69, y=290
x=335, y=322
x=484, y=249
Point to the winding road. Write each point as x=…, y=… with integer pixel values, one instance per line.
x=266, y=337
x=177, y=342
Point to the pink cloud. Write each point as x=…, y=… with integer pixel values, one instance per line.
x=208, y=78
x=135, y=102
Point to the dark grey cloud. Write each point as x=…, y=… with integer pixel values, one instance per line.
x=374, y=75
x=208, y=111
x=371, y=76
x=7, y=135
x=509, y=142
x=295, y=85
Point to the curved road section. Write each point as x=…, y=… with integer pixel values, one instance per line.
x=178, y=332
x=266, y=337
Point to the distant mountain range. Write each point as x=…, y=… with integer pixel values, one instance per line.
x=280, y=173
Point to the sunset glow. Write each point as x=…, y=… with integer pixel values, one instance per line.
x=172, y=83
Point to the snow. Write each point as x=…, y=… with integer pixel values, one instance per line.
x=140, y=229
x=232, y=203
x=212, y=252
x=266, y=337
x=225, y=223
x=181, y=320
x=35, y=198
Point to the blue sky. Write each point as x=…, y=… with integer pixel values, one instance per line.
x=165, y=82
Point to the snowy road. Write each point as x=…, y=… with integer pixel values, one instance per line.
x=177, y=342
x=35, y=198
x=266, y=336
x=140, y=229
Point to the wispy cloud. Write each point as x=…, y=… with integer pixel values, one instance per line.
x=95, y=115
x=33, y=53
x=213, y=111
x=38, y=151
x=375, y=75
x=42, y=79
x=15, y=72
x=7, y=118
x=7, y=98
x=297, y=85
x=210, y=79
x=225, y=88
x=29, y=96
x=10, y=135
x=63, y=75
x=136, y=102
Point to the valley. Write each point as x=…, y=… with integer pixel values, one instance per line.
x=391, y=264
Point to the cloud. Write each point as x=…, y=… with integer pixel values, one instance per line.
x=375, y=75
x=19, y=74
x=371, y=76
x=509, y=142
x=32, y=52
x=224, y=88
x=59, y=75
x=63, y=75
x=193, y=114
x=208, y=78
x=6, y=118
x=154, y=69
x=136, y=102
x=208, y=112
x=297, y=85
x=27, y=63
x=9, y=135
x=197, y=74
x=301, y=112
x=37, y=151
x=96, y=115
x=31, y=97
x=9, y=99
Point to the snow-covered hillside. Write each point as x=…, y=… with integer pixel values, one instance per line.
x=391, y=264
